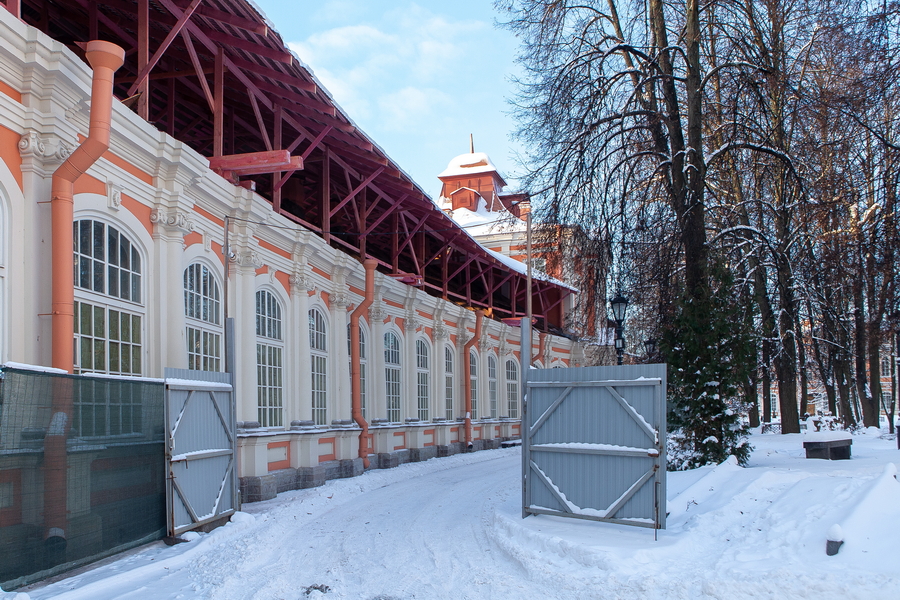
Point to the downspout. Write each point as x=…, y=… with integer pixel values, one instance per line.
x=355, y=383
x=105, y=58
x=467, y=373
x=542, y=337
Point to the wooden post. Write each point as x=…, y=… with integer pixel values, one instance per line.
x=170, y=117
x=395, y=242
x=326, y=196
x=278, y=145
x=444, y=271
x=362, y=226
x=143, y=52
x=219, y=100
x=14, y=6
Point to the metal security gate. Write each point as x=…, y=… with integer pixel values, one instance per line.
x=200, y=453
x=594, y=444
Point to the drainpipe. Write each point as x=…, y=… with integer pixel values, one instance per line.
x=467, y=374
x=105, y=58
x=355, y=387
x=542, y=339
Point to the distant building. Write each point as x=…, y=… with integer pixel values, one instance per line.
x=472, y=194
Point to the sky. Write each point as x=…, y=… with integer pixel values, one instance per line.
x=416, y=76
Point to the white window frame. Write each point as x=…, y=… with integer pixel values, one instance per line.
x=423, y=379
x=512, y=388
x=269, y=359
x=448, y=383
x=107, y=326
x=492, y=384
x=318, y=350
x=392, y=377
x=202, y=307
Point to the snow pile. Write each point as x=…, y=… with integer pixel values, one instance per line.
x=452, y=528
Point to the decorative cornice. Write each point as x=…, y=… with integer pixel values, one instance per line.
x=248, y=258
x=411, y=325
x=377, y=312
x=48, y=150
x=300, y=282
x=171, y=220
x=339, y=299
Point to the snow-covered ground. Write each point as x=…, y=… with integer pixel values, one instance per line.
x=451, y=528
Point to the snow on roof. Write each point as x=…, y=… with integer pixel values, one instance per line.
x=483, y=221
x=523, y=268
x=470, y=164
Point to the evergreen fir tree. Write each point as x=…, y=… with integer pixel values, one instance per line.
x=709, y=353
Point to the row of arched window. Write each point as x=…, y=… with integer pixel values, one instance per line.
x=109, y=325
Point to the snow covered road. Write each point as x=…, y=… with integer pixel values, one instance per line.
x=451, y=528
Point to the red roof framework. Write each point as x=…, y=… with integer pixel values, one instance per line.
x=215, y=75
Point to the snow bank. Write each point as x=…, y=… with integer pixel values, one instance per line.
x=826, y=436
x=451, y=528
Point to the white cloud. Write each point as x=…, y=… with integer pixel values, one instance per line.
x=417, y=81
x=406, y=109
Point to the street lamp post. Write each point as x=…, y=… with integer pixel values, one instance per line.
x=650, y=347
x=619, y=306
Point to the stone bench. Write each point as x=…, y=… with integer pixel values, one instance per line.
x=837, y=449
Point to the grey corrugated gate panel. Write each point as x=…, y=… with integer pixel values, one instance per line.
x=200, y=449
x=593, y=445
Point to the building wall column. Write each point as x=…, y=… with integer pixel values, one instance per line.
x=377, y=401
x=165, y=307
x=299, y=405
x=246, y=262
x=338, y=356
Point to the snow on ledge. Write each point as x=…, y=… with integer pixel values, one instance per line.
x=826, y=436
x=38, y=368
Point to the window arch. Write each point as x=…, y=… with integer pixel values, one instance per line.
x=318, y=349
x=473, y=383
x=492, y=385
x=423, y=379
x=448, y=383
x=269, y=360
x=392, y=376
x=202, y=305
x=108, y=301
x=363, y=366
x=512, y=388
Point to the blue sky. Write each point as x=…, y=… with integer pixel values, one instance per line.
x=417, y=76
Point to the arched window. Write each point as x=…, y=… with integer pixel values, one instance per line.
x=318, y=350
x=392, y=376
x=108, y=301
x=448, y=383
x=473, y=383
x=269, y=360
x=423, y=379
x=201, y=311
x=363, y=363
x=512, y=388
x=492, y=385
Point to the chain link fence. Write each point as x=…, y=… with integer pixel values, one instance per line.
x=82, y=470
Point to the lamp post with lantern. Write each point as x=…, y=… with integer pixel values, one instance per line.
x=619, y=306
